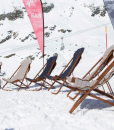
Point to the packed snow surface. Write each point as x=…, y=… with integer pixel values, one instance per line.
x=41, y=110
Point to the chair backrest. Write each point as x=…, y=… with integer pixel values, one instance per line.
x=51, y=63
x=73, y=64
x=22, y=70
x=108, y=55
x=107, y=76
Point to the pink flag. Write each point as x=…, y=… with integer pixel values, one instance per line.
x=34, y=10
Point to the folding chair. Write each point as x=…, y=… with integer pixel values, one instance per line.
x=86, y=87
x=66, y=71
x=46, y=70
x=97, y=68
x=19, y=75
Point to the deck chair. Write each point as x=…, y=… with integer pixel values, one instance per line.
x=19, y=75
x=66, y=71
x=100, y=65
x=86, y=87
x=46, y=70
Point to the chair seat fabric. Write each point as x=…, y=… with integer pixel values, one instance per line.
x=85, y=84
x=21, y=72
x=71, y=67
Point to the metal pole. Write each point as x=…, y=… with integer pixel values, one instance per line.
x=106, y=36
x=43, y=31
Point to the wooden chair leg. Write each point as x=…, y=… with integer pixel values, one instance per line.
x=20, y=86
x=109, y=87
x=59, y=88
x=72, y=98
x=39, y=88
x=27, y=82
x=28, y=86
x=69, y=93
x=103, y=88
x=4, y=85
x=51, y=85
x=57, y=91
x=76, y=104
x=6, y=89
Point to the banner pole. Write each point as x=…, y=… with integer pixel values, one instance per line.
x=106, y=36
x=43, y=31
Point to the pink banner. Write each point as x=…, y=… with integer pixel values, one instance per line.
x=34, y=10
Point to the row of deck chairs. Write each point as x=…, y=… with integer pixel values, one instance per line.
x=94, y=79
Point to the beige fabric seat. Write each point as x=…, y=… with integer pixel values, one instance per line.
x=82, y=84
x=85, y=84
x=20, y=73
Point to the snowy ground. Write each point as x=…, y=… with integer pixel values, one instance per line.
x=42, y=110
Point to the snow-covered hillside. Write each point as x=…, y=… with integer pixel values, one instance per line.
x=74, y=21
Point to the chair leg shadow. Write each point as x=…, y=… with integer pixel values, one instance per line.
x=94, y=104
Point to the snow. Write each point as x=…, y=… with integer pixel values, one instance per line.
x=42, y=110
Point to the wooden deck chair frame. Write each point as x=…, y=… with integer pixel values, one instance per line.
x=21, y=82
x=88, y=92
x=40, y=79
x=56, y=78
x=109, y=58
